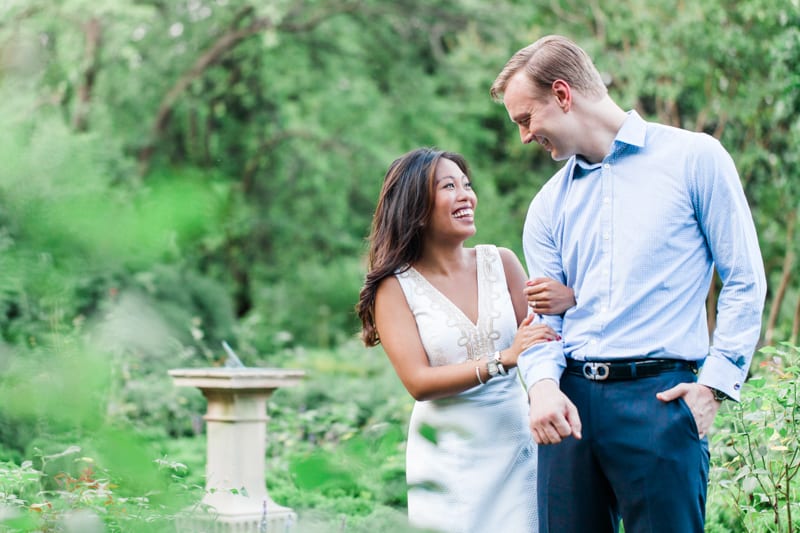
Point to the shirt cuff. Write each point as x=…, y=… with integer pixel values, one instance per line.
x=719, y=373
x=535, y=369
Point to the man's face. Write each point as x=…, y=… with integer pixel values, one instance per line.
x=538, y=116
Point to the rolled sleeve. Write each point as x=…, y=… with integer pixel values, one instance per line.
x=541, y=361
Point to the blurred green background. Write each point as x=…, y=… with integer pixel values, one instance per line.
x=178, y=173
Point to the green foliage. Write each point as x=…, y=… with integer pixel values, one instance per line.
x=754, y=482
x=275, y=124
x=355, y=429
x=60, y=389
x=84, y=496
x=175, y=174
x=312, y=305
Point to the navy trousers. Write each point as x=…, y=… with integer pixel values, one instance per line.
x=640, y=460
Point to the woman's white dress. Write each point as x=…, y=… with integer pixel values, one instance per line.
x=470, y=459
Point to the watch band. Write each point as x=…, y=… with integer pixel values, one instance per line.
x=719, y=395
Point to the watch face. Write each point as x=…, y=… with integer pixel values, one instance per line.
x=492, y=367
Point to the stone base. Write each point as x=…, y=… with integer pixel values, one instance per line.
x=277, y=520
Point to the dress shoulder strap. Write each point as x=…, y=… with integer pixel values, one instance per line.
x=490, y=264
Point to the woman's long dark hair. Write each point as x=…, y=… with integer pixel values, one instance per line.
x=404, y=208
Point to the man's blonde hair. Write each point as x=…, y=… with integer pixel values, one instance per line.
x=552, y=58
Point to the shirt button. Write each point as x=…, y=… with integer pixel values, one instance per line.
x=603, y=309
x=606, y=200
x=593, y=341
x=606, y=236
x=606, y=166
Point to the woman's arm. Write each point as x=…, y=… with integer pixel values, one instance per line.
x=399, y=336
x=515, y=279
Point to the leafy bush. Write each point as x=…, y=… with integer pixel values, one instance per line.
x=312, y=305
x=91, y=498
x=756, y=450
x=341, y=435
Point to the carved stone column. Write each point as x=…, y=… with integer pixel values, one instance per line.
x=236, y=429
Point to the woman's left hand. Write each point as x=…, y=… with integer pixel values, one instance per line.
x=548, y=297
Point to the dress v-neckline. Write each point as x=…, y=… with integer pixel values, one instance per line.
x=450, y=302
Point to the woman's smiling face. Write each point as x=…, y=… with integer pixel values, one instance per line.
x=454, y=202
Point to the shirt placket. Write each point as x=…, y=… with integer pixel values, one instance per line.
x=606, y=247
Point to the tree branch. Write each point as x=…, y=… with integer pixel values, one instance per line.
x=795, y=323
x=224, y=44
x=566, y=14
x=268, y=145
x=330, y=10
x=599, y=21
x=93, y=35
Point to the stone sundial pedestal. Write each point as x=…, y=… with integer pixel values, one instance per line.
x=236, y=431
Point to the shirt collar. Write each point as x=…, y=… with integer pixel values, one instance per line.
x=632, y=132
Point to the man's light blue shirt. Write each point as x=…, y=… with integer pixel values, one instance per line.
x=637, y=237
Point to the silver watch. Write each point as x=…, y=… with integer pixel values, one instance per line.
x=494, y=366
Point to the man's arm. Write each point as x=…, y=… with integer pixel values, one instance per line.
x=727, y=223
x=553, y=417
x=543, y=259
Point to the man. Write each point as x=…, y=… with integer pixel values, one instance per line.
x=635, y=223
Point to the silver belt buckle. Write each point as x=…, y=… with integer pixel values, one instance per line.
x=596, y=371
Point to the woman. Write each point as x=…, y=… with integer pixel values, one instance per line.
x=452, y=321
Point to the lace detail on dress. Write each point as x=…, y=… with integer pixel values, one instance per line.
x=493, y=284
x=476, y=340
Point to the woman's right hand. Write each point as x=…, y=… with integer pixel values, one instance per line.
x=527, y=335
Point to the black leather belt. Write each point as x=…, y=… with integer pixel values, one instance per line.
x=616, y=370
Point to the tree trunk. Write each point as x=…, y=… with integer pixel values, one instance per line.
x=786, y=277
x=93, y=34
x=711, y=305
x=796, y=323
